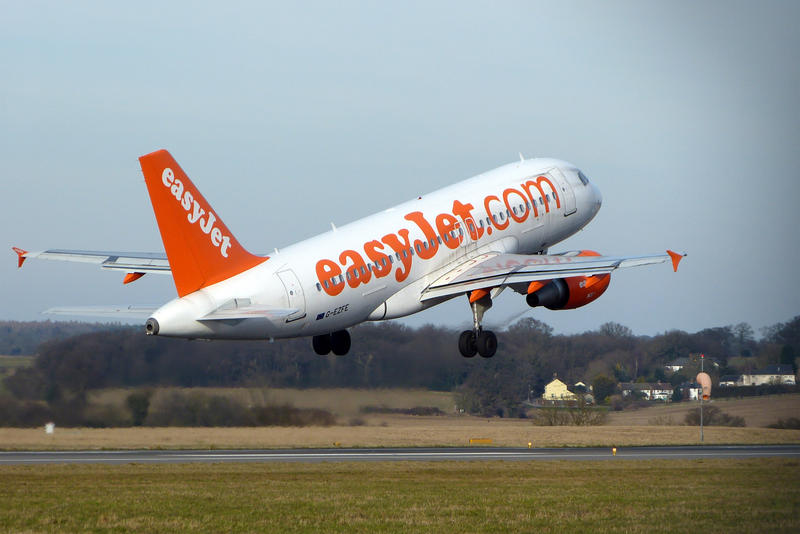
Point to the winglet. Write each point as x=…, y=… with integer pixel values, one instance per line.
x=676, y=259
x=21, y=256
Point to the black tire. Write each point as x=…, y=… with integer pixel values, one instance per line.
x=486, y=343
x=340, y=342
x=466, y=344
x=321, y=344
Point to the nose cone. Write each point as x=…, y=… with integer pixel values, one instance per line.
x=597, y=199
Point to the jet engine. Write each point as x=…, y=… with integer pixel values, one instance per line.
x=568, y=293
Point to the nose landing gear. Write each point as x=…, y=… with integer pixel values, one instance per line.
x=478, y=340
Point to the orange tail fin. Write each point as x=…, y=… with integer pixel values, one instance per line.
x=200, y=248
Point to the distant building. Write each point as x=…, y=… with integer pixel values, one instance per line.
x=770, y=375
x=677, y=364
x=726, y=381
x=651, y=391
x=558, y=391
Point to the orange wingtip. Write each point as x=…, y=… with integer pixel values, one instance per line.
x=676, y=259
x=132, y=277
x=20, y=255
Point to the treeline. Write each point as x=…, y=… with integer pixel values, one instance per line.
x=24, y=337
x=393, y=355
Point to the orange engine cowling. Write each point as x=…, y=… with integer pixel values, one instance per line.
x=568, y=293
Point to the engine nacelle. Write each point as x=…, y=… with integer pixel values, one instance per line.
x=568, y=293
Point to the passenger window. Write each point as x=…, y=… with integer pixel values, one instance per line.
x=348, y=275
x=326, y=284
x=391, y=260
x=319, y=287
x=541, y=202
x=363, y=270
x=547, y=196
x=439, y=238
x=405, y=254
x=515, y=210
x=502, y=216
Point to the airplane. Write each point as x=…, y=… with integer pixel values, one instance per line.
x=471, y=240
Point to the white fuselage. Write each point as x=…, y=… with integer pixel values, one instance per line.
x=377, y=267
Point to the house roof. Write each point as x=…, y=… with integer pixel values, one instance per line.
x=776, y=369
x=683, y=360
x=645, y=386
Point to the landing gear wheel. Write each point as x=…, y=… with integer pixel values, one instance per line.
x=340, y=342
x=466, y=344
x=321, y=344
x=486, y=343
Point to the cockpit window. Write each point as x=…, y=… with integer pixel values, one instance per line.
x=584, y=179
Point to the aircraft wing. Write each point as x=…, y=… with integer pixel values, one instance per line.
x=494, y=270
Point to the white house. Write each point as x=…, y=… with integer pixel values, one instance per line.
x=651, y=391
x=770, y=375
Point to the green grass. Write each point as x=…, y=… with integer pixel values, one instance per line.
x=757, y=495
x=15, y=362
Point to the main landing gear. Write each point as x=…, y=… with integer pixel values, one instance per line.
x=478, y=340
x=337, y=342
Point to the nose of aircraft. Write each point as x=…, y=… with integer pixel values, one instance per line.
x=597, y=198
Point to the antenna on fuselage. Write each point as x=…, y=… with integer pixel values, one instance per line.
x=521, y=158
x=333, y=226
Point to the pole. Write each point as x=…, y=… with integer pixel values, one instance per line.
x=702, y=358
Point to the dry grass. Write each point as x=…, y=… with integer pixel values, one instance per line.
x=628, y=496
x=387, y=431
x=757, y=411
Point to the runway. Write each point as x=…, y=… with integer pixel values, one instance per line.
x=393, y=455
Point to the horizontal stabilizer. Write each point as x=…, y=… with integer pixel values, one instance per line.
x=141, y=262
x=133, y=312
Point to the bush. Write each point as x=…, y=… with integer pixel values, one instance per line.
x=138, y=404
x=792, y=423
x=712, y=416
x=196, y=409
x=23, y=414
x=577, y=414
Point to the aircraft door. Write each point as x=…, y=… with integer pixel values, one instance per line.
x=294, y=292
x=565, y=190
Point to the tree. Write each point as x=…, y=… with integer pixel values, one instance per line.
x=612, y=329
x=602, y=388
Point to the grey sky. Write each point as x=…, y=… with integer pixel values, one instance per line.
x=685, y=114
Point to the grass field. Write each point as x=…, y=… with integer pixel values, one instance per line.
x=387, y=431
x=757, y=411
x=611, y=496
